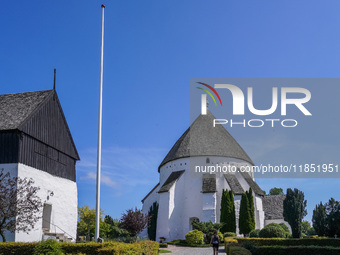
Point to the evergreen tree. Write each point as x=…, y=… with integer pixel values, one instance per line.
x=244, y=219
x=320, y=219
x=152, y=226
x=227, y=216
x=224, y=210
x=294, y=209
x=232, y=214
x=251, y=209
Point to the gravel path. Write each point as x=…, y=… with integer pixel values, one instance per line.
x=179, y=250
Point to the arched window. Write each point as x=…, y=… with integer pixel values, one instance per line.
x=191, y=220
x=208, y=160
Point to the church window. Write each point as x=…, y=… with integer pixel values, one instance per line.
x=191, y=220
x=208, y=160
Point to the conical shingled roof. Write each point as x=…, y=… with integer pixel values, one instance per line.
x=202, y=139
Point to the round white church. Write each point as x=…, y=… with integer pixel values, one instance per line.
x=185, y=194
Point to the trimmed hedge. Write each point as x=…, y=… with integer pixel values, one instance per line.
x=145, y=247
x=297, y=250
x=235, y=250
x=229, y=234
x=163, y=245
x=290, y=242
x=228, y=243
x=17, y=248
x=91, y=248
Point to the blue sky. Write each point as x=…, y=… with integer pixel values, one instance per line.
x=152, y=49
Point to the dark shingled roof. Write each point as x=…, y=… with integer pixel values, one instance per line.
x=235, y=186
x=149, y=193
x=174, y=176
x=16, y=108
x=257, y=190
x=273, y=207
x=209, y=183
x=202, y=139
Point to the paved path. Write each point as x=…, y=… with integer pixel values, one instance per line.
x=179, y=250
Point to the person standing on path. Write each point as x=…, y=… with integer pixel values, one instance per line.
x=215, y=241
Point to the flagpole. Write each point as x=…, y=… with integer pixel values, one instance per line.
x=99, y=150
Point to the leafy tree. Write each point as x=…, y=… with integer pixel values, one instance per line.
x=251, y=209
x=152, y=227
x=305, y=227
x=87, y=223
x=227, y=216
x=294, y=209
x=19, y=204
x=134, y=221
x=208, y=228
x=245, y=218
x=333, y=217
x=114, y=228
x=276, y=191
x=320, y=219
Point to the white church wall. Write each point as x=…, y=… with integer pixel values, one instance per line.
x=209, y=207
x=237, y=201
x=64, y=203
x=13, y=170
x=163, y=216
x=259, y=213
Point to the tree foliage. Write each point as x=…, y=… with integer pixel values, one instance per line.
x=333, y=217
x=294, y=210
x=19, y=204
x=134, y=221
x=208, y=228
x=152, y=227
x=87, y=223
x=251, y=209
x=244, y=218
x=326, y=218
x=276, y=191
x=320, y=219
x=227, y=216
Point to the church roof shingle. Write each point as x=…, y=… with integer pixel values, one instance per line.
x=254, y=186
x=273, y=207
x=209, y=183
x=234, y=184
x=16, y=108
x=202, y=139
x=174, y=176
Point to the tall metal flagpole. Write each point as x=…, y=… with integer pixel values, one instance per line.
x=99, y=150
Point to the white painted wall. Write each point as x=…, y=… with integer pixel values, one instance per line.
x=64, y=202
x=186, y=200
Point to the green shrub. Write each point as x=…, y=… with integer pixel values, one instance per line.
x=89, y=248
x=229, y=242
x=17, y=248
x=284, y=227
x=235, y=250
x=272, y=230
x=48, y=247
x=163, y=245
x=255, y=233
x=290, y=242
x=297, y=250
x=220, y=235
x=194, y=237
x=144, y=247
x=229, y=234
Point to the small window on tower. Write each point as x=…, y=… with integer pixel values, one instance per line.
x=208, y=160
